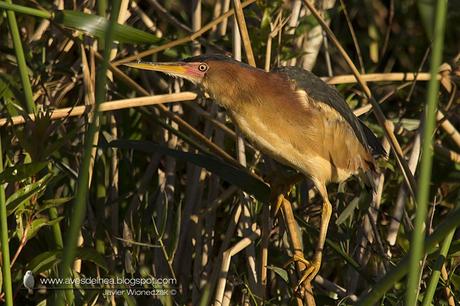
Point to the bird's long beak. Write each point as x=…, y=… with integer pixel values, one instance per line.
x=184, y=70
x=173, y=68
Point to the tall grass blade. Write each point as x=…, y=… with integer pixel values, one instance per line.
x=7, y=288
x=430, y=290
x=24, y=10
x=82, y=186
x=90, y=24
x=423, y=190
x=21, y=60
x=97, y=26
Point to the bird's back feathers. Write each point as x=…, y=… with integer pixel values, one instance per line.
x=321, y=92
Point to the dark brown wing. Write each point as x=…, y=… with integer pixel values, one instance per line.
x=323, y=93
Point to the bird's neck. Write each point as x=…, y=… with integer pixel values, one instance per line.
x=235, y=91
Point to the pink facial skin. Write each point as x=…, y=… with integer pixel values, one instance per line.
x=194, y=74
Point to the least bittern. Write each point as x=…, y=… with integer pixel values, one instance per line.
x=290, y=115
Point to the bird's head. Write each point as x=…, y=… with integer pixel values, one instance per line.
x=221, y=76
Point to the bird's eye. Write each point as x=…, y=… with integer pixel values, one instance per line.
x=203, y=67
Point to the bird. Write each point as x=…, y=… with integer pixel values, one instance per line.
x=29, y=281
x=292, y=116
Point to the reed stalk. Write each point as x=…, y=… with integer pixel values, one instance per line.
x=79, y=208
x=6, y=270
x=21, y=61
x=424, y=180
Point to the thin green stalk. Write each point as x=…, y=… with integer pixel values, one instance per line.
x=21, y=60
x=429, y=294
x=59, y=244
x=423, y=189
x=56, y=228
x=101, y=11
x=430, y=246
x=25, y=10
x=82, y=186
x=6, y=270
x=102, y=7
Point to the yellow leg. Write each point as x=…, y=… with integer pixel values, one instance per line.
x=313, y=267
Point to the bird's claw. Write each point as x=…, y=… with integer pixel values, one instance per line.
x=308, y=274
x=279, y=202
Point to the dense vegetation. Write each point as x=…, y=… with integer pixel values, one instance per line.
x=140, y=190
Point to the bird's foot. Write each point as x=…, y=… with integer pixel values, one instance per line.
x=308, y=274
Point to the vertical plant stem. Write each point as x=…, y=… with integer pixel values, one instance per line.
x=418, y=236
x=102, y=7
x=196, y=24
x=56, y=228
x=21, y=60
x=4, y=240
x=244, y=32
x=82, y=186
x=437, y=269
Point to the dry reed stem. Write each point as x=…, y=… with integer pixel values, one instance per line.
x=409, y=178
x=182, y=40
x=310, y=42
x=215, y=13
x=278, y=25
x=229, y=234
x=223, y=25
x=250, y=251
x=380, y=77
x=266, y=225
x=293, y=19
x=353, y=36
x=196, y=25
x=107, y=106
x=226, y=259
x=398, y=211
x=448, y=292
x=244, y=32
x=146, y=20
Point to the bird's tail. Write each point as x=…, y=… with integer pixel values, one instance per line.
x=370, y=178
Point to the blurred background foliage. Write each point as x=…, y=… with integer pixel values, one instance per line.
x=160, y=202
